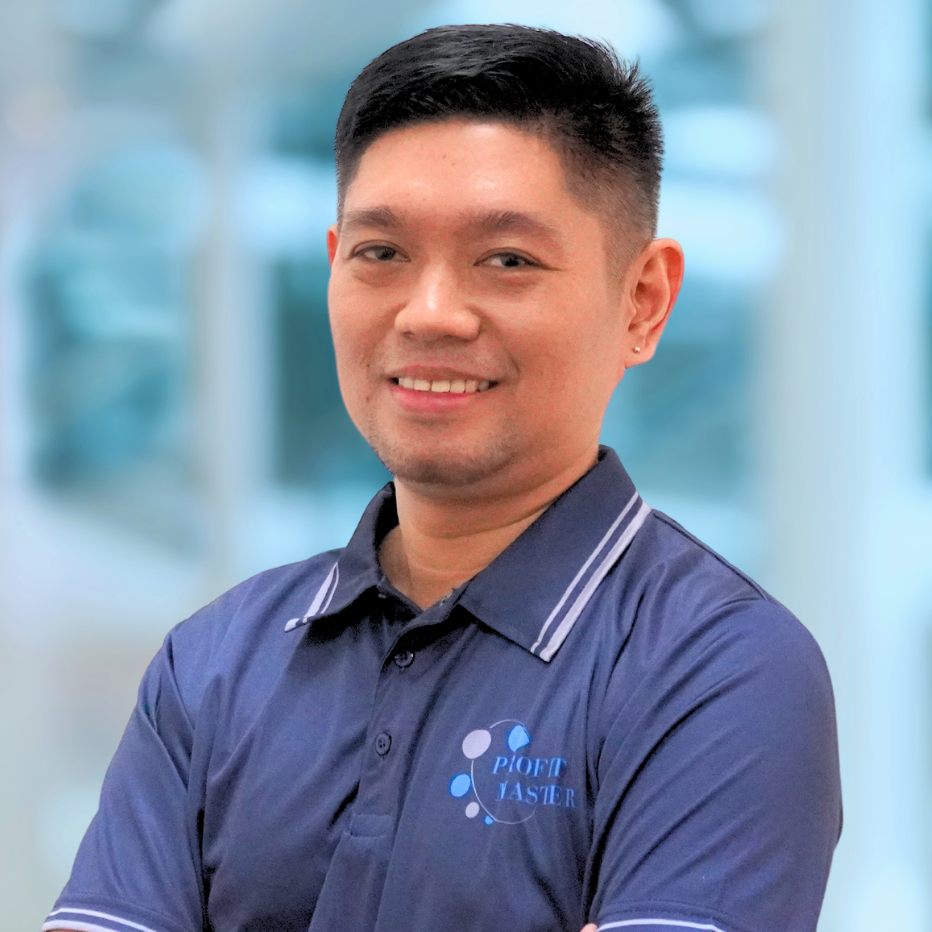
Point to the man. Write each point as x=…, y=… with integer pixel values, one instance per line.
x=518, y=699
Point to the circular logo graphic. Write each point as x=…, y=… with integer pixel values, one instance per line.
x=505, y=782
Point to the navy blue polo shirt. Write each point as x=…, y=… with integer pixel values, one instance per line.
x=609, y=724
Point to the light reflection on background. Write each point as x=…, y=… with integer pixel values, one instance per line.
x=170, y=420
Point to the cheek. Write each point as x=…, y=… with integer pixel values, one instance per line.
x=351, y=334
x=576, y=368
x=360, y=316
x=571, y=351
x=339, y=306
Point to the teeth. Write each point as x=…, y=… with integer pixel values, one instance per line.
x=455, y=386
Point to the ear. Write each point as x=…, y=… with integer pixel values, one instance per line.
x=652, y=284
x=333, y=241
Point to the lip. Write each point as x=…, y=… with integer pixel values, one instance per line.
x=435, y=403
x=438, y=374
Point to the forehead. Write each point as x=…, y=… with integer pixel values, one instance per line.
x=461, y=168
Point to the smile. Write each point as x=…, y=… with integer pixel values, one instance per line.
x=439, y=386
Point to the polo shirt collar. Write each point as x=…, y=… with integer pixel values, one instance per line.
x=537, y=588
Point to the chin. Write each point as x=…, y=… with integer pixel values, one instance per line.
x=446, y=465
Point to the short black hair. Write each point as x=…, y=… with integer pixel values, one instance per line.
x=596, y=110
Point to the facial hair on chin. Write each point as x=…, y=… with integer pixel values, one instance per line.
x=441, y=466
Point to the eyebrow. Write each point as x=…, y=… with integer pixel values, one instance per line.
x=513, y=221
x=382, y=217
x=492, y=221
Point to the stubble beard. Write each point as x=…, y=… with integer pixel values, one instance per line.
x=441, y=465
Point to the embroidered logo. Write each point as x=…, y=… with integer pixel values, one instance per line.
x=506, y=781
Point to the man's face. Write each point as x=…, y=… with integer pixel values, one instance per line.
x=476, y=313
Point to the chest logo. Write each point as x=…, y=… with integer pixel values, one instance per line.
x=507, y=780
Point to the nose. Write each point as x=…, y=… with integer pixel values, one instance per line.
x=437, y=308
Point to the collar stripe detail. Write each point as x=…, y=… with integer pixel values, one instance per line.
x=321, y=601
x=667, y=923
x=335, y=573
x=324, y=592
x=82, y=926
x=582, y=570
x=582, y=600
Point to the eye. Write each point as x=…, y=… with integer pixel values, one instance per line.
x=509, y=260
x=378, y=253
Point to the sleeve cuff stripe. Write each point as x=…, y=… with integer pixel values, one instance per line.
x=73, y=925
x=79, y=925
x=663, y=923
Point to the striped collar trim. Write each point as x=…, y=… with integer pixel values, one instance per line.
x=535, y=591
x=322, y=599
x=538, y=590
x=577, y=595
x=355, y=568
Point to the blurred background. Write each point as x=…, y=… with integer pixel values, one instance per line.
x=170, y=420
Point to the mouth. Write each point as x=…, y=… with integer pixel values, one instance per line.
x=444, y=386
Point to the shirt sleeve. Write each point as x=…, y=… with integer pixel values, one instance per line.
x=718, y=800
x=137, y=869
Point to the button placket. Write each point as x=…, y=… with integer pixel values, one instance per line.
x=397, y=701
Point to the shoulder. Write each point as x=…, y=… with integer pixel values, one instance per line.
x=241, y=628
x=689, y=590
x=668, y=554
x=715, y=732
x=687, y=624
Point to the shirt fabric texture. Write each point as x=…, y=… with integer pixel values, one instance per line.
x=608, y=724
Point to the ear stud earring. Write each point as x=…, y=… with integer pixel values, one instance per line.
x=637, y=349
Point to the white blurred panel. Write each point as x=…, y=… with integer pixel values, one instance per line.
x=634, y=27
x=729, y=232
x=284, y=206
x=733, y=142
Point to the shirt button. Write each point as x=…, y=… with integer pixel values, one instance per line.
x=404, y=658
x=382, y=743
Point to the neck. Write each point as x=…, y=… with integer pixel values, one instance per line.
x=440, y=541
